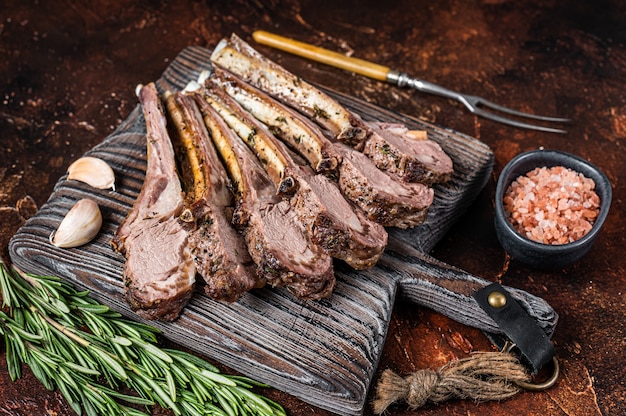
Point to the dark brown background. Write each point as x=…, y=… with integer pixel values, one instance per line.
x=68, y=72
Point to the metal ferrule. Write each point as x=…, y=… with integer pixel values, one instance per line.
x=401, y=79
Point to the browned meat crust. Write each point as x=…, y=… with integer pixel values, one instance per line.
x=394, y=150
x=381, y=196
x=340, y=228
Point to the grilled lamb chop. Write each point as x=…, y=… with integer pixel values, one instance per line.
x=159, y=272
x=290, y=126
x=331, y=221
x=407, y=154
x=241, y=59
x=219, y=251
x=384, y=199
x=390, y=149
x=276, y=240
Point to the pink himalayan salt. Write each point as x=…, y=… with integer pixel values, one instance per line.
x=552, y=205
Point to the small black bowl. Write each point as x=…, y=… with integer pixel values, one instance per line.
x=532, y=253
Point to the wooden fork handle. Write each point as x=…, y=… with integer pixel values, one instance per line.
x=325, y=56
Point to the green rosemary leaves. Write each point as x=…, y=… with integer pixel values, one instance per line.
x=90, y=353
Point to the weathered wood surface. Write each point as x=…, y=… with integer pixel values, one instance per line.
x=324, y=352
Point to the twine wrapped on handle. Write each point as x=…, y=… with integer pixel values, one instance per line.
x=483, y=376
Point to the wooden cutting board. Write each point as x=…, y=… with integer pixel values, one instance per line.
x=324, y=352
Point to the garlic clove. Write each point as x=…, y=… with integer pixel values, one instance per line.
x=93, y=171
x=80, y=225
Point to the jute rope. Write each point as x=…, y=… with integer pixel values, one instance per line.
x=481, y=377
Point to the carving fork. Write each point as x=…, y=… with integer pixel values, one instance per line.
x=476, y=105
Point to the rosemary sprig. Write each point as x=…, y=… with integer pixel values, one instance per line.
x=87, y=351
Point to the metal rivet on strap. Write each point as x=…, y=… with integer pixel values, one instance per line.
x=496, y=299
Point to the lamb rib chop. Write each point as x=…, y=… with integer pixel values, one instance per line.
x=290, y=126
x=219, y=251
x=385, y=199
x=390, y=149
x=241, y=59
x=330, y=220
x=382, y=197
x=276, y=240
x=157, y=286
x=407, y=154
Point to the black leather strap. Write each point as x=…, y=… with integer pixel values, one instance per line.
x=534, y=345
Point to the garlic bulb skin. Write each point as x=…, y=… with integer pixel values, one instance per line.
x=80, y=225
x=93, y=171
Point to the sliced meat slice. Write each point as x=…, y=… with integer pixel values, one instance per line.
x=219, y=251
x=276, y=240
x=407, y=154
x=159, y=272
x=331, y=221
x=382, y=197
x=336, y=225
x=240, y=58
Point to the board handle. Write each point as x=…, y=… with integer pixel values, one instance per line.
x=428, y=282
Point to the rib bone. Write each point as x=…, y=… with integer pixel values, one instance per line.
x=276, y=240
x=284, y=123
x=240, y=58
x=332, y=222
x=219, y=250
x=156, y=289
x=274, y=161
x=383, y=198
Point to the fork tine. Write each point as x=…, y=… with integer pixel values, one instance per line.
x=504, y=120
x=474, y=103
x=506, y=110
